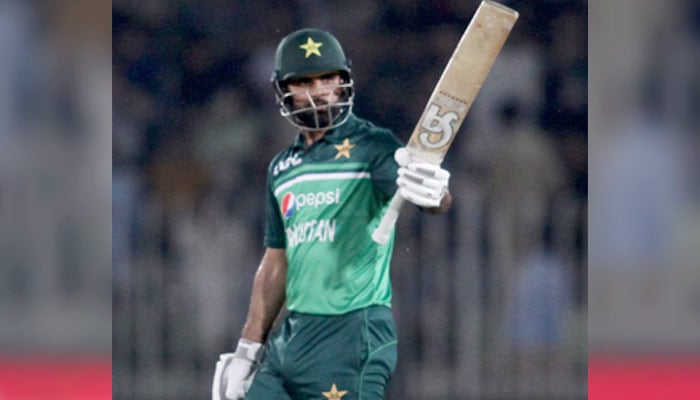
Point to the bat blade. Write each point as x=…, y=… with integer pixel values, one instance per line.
x=461, y=80
x=454, y=93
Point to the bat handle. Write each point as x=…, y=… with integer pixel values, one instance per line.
x=383, y=232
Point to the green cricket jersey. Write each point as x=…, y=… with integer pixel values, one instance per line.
x=323, y=204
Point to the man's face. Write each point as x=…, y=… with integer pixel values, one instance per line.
x=321, y=89
x=311, y=96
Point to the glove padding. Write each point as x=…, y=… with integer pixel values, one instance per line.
x=422, y=183
x=235, y=371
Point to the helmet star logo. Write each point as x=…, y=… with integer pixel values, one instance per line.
x=311, y=47
x=334, y=394
x=343, y=149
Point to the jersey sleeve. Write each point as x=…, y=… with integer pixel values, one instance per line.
x=384, y=166
x=274, y=228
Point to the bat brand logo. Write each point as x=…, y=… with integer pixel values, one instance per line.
x=437, y=125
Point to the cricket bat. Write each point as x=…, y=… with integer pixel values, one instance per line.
x=454, y=94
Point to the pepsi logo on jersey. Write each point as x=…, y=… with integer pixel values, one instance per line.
x=291, y=202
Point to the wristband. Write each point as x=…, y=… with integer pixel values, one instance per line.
x=249, y=350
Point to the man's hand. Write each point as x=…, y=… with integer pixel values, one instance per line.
x=235, y=371
x=422, y=183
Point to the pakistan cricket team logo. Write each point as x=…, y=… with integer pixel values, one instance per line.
x=311, y=48
x=334, y=393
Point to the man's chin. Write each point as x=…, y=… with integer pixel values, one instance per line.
x=308, y=119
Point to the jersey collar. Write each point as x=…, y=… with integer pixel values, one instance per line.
x=332, y=136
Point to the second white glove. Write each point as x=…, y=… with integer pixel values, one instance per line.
x=235, y=371
x=422, y=183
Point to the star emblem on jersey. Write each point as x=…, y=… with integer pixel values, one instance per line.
x=334, y=394
x=311, y=47
x=343, y=149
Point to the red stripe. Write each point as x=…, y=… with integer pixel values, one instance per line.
x=54, y=378
x=643, y=377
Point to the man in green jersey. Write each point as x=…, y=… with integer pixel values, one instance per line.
x=325, y=195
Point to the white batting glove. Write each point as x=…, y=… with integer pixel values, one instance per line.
x=235, y=371
x=422, y=183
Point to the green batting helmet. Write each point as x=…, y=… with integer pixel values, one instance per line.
x=311, y=52
x=307, y=52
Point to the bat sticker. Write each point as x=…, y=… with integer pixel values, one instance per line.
x=437, y=125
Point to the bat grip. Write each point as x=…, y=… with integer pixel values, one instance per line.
x=383, y=232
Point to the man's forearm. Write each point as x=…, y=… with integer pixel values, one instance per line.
x=267, y=298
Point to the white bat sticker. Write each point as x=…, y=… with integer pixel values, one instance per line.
x=437, y=124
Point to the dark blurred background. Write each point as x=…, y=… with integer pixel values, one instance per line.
x=490, y=300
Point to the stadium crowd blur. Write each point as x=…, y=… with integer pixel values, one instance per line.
x=55, y=110
x=55, y=186
x=195, y=125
